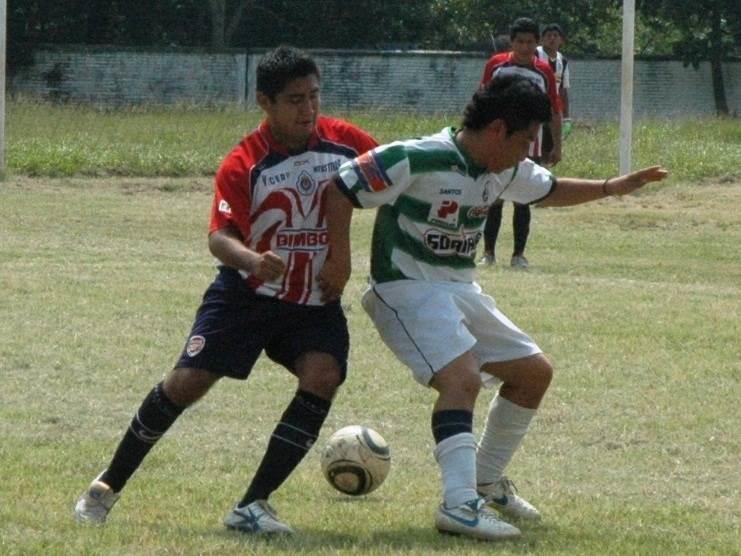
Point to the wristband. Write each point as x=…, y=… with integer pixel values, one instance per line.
x=604, y=188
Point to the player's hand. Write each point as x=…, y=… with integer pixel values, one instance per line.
x=628, y=183
x=267, y=266
x=333, y=277
x=554, y=157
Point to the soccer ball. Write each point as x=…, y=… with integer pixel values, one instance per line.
x=356, y=460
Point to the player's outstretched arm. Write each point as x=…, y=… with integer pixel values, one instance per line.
x=573, y=191
x=337, y=268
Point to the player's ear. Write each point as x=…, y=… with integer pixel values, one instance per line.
x=498, y=128
x=263, y=100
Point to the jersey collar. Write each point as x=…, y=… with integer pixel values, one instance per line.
x=472, y=169
x=278, y=147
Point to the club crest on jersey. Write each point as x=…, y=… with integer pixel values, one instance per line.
x=445, y=212
x=305, y=183
x=371, y=175
x=480, y=211
x=195, y=345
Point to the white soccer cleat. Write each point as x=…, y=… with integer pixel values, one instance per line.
x=95, y=503
x=257, y=518
x=474, y=519
x=487, y=260
x=502, y=496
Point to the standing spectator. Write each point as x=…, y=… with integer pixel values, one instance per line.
x=551, y=40
x=269, y=232
x=524, y=36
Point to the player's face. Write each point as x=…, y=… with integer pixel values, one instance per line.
x=523, y=47
x=552, y=40
x=292, y=115
x=511, y=149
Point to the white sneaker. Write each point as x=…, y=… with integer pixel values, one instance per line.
x=475, y=520
x=502, y=497
x=95, y=503
x=487, y=260
x=519, y=261
x=257, y=518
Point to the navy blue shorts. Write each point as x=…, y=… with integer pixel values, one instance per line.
x=234, y=325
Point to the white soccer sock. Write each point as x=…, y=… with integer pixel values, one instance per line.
x=506, y=426
x=456, y=456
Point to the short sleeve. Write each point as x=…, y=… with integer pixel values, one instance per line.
x=231, y=202
x=376, y=177
x=531, y=183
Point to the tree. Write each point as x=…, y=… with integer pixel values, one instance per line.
x=708, y=30
x=223, y=24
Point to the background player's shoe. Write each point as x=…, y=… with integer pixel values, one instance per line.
x=474, y=519
x=488, y=260
x=502, y=496
x=257, y=518
x=519, y=261
x=95, y=503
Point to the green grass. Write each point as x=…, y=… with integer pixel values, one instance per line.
x=53, y=140
x=636, y=300
x=635, y=450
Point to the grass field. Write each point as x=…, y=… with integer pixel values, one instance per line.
x=635, y=451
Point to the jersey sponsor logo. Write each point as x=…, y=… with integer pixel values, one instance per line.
x=275, y=179
x=306, y=184
x=448, y=191
x=446, y=245
x=297, y=163
x=328, y=167
x=371, y=175
x=302, y=240
x=195, y=345
x=224, y=207
x=478, y=212
x=445, y=213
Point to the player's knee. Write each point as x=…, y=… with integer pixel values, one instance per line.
x=541, y=373
x=184, y=386
x=320, y=375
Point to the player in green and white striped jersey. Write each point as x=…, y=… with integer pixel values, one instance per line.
x=433, y=201
x=433, y=195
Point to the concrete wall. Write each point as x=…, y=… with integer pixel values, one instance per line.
x=107, y=76
x=415, y=81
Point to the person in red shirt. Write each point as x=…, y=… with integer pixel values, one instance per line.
x=522, y=60
x=268, y=231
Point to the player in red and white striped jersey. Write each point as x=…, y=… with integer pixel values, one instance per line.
x=269, y=231
x=524, y=35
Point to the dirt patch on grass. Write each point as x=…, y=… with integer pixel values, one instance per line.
x=125, y=185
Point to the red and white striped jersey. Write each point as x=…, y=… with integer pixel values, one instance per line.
x=275, y=199
x=539, y=72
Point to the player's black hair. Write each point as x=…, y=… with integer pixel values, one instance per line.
x=553, y=27
x=282, y=65
x=510, y=97
x=524, y=25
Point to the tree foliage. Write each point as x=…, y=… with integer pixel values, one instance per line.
x=680, y=27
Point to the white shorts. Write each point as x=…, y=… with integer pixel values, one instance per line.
x=428, y=324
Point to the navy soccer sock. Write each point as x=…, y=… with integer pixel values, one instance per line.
x=292, y=438
x=155, y=415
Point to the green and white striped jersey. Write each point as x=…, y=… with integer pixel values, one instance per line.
x=433, y=201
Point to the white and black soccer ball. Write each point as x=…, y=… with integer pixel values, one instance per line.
x=356, y=460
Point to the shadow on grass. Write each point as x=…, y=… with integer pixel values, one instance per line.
x=392, y=540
